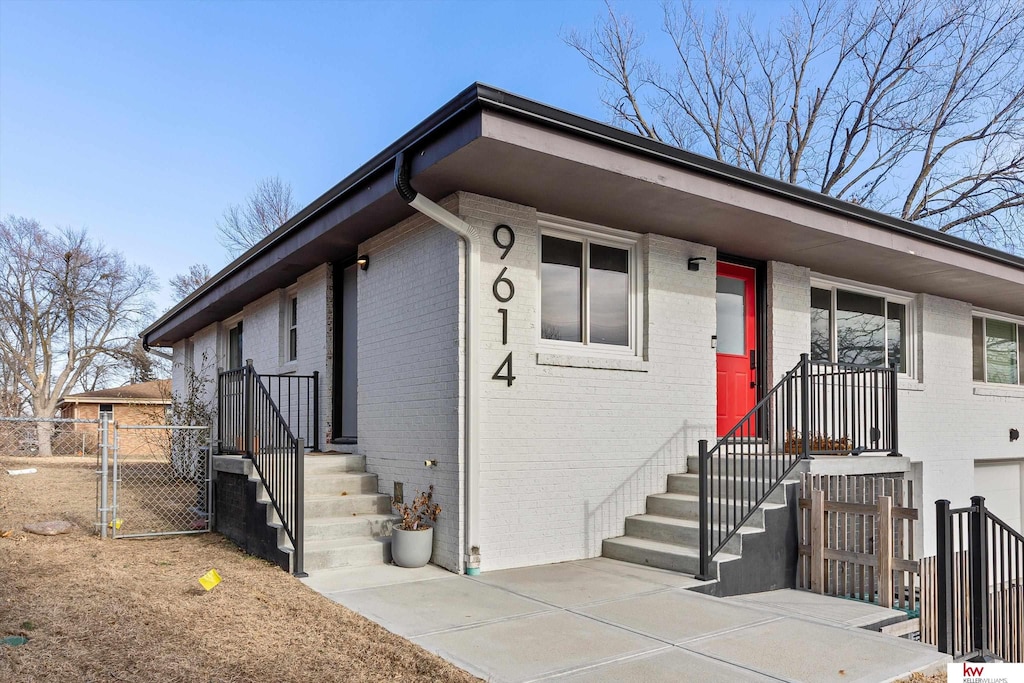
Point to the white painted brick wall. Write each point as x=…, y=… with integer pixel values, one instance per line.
x=410, y=376
x=567, y=453
x=944, y=425
x=789, y=317
x=264, y=342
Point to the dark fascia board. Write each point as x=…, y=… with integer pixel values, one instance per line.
x=564, y=121
x=489, y=97
x=381, y=163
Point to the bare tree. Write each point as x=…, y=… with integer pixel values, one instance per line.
x=184, y=284
x=103, y=372
x=910, y=107
x=65, y=301
x=267, y=208
x=12, y=395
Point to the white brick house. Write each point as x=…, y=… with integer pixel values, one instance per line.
x=606, y=290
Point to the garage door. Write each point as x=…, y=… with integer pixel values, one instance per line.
x=1000, y=484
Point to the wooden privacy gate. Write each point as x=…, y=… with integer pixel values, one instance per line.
x=856, y=536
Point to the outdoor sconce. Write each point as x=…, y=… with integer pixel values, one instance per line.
x=694, y=263
x=363, y=262
x=1014, y=435
x=430, y=463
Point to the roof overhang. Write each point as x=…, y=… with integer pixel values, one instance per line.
x=497, y=144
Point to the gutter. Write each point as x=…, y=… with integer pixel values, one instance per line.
x=471, y=441
x=489, y=97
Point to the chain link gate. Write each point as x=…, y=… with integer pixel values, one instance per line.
x=159, y=480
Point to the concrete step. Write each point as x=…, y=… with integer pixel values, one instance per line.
x=742, y=465
x=364, y=526
x=319, y=507
x=687, y=506
x=681, y=532
x=334, y=462
x=690, y=484
x=657, y=554
x=339, y=483
x=346, y=552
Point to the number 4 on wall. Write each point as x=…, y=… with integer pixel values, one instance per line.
x=506, y=367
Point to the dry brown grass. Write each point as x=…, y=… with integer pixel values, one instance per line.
x=132, y=610
x=937, y=677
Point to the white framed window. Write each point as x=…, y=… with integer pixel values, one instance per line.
x=852, y=323
x=292, y=318
x=589, y=288
x=106, y=411
x=997, y=341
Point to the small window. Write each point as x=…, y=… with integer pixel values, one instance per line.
x=106, y=411
x=587, y=290
x=997, y=350
x=860, y=328
x=293, y=328
x=235, y=346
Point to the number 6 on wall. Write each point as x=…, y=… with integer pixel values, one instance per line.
x=511, y=287
x=506, y=365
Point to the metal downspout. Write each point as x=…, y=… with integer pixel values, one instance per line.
x=471, y=237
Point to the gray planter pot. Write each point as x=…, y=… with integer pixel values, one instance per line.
x=411, y=548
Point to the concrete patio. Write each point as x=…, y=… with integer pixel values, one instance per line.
x=603, y=620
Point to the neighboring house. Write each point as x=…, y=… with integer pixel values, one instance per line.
x=144, y=403
x=551, y=342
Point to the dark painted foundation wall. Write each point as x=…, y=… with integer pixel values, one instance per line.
x=768, y=561
x=243, y=519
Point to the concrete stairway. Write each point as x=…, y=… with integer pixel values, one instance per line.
x=348, y=523
x=667, y=536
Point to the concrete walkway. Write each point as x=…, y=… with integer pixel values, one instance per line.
x=602, y=620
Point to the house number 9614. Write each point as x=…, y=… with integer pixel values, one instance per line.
x=504, y=290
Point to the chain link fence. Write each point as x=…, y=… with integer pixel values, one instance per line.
x=31, y=436
x=160, y=481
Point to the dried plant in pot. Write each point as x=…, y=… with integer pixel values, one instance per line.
x=412, y=539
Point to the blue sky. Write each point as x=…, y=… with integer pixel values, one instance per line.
x=143, y=121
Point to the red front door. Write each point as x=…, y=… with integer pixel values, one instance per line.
x=737, y=346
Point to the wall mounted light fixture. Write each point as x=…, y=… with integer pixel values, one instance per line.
x=694, y=263
x=363, y=262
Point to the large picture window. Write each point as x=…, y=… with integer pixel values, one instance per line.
x=857, y=327
x=587, y=291
x=997, y=350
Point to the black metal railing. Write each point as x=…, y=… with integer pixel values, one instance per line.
x=980, y=584
x=234, y=414
x=816, y=408
x=278, y=457
x=852, y=408
x=297, y=397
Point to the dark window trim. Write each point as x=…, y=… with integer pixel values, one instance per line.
x=338, y=330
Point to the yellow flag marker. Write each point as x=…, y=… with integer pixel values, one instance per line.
x=209, y=579
x=116, y=524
